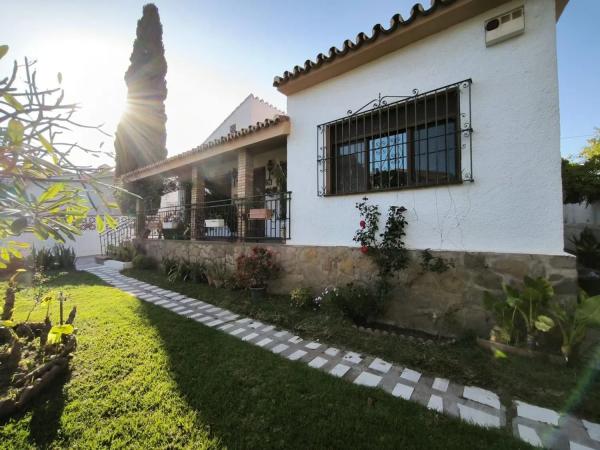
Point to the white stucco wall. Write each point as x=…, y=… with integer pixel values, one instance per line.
x=88, y=242
x=249, y=112
x=515, y=204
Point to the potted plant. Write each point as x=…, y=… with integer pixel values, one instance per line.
x=254, y=270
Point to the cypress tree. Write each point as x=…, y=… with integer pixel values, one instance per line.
x=141, y=135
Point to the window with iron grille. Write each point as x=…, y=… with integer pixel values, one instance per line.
x=420, y=140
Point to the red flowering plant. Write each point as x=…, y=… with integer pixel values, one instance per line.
x=387, y=248
x=254, y=270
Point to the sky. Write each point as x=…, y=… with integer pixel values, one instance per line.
x=220, y=51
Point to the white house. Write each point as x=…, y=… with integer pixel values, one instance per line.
x=452, y=113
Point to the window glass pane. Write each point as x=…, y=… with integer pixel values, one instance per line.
x=388, y=161
x=435, y=153
x=350, y=168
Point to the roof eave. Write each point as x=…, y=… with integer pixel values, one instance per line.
x=262, y=135
x=355, y=55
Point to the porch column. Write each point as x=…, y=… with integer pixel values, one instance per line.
x=197, y=200
x=244, y=187
x=140, y=219
x=245, y=173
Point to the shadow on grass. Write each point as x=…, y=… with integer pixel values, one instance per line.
x=251, y=398
x=46, y=412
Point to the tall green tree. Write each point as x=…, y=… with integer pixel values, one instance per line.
x=581, y=179
x=141, y=135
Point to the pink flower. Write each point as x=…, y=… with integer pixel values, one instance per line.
x=363, y=224
x=364, y=249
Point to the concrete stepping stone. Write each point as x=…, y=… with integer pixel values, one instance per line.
x=593, y=430
x=339, y=370
x=313, y=345
x=482, y=396
x=367, y=379
x=403, y=391
x=411, y=375
x=352, y=357
x=318, y=362
x=529, y=435
x=380, y=365
x=537, y=413
x=295, y=340
x=478, y=417
x=279, y=348
x=436, y=403
x=296, y=355
x=576, y=446
x=332, y=351
x=441, y=384
x=250, y=336
x=263, y=342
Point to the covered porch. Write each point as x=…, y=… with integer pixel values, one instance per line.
x=231, y=189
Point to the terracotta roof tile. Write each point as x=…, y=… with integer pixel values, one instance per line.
x=349, y=46
x=216, y=142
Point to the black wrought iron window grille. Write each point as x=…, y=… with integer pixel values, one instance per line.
x=398, y=142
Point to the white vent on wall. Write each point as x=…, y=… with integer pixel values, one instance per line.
x=504, y=26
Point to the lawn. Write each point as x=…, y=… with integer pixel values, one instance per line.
x=145, y=377
x=575, y=389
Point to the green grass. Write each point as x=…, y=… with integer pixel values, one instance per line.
x=144, y=377
x=544, y=383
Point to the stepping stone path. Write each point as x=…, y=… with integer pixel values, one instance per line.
x=535, y=425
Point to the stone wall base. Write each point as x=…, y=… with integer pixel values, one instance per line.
x=448, y=304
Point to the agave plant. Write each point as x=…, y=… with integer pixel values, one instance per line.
x=574, y=320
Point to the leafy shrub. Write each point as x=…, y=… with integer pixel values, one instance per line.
x=124, y=252
x=57, y=257
x=587, y=249
x=64, y=257
x=437, y=264
x=387, y=249
x=179, y=271
x=43, y=258
x=218, y=274
x=573, y=320
x=166, y=264
x=359, y=303
x=143, y=262
x=302, y=298
x=256, y=269
x=198, y=272
x=524, y=308
x=326, y=298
